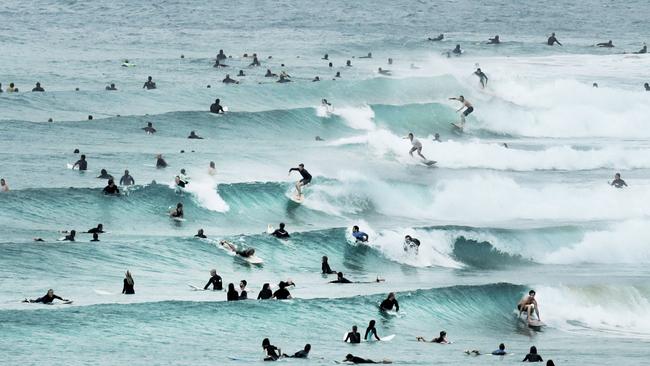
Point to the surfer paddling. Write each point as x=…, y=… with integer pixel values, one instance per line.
x=527, y=305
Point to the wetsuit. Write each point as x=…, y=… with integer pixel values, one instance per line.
x=221, y=56
x=301, y=354
x=38, y=89
x=105, y=176
x=232, y=296
x=228, y=80
x=353, y=337
x=325, y=267
x=68, y=238
x=47, y=299
x=306, y=177
x=216, y=108
x=149, y=129
x=161, y=163
x=388, y=305
x=272, y=353
x=341, y=280
x=282, y=294
x=281, y=234
x=216, y=283
x=127, y=180
x=149, y=85
x=360, y=236
x=500, y=352
x=532, y=358
x=265, y=294
x=371, y=332
x=128, y=288
x=82, y=164
x=246, y=252
x=111, y=189
x=243, y=295
x=619, y=183
x=202, y=236
x=552, y=40
x=356, y=359
x=95, y=230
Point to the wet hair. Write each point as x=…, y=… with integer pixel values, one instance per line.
x=531, y=292
x=266, y=342
x=282, y=225
x=533, y=350
x=550, y=363
x=231, y=287
x=372, y=323
x=307, y=347
x=502, y=346
x=244, y=282
x=324, y=258
x=355, y=227
x=83, y=156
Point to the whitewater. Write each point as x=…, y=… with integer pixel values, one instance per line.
x=519, y=200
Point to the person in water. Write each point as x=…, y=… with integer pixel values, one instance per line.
x=127, y=288
x=436, y=137
x=532, y=356
x=552, y=40
x=325, y=267
x=38, y=88
x=177, y=212
x=232, y=294
x=149, y=84
x=70, y=237
x=371, y=332
x=353, y=336
x=111, y=188
x=316, y=78
x=528, y=305
x=643, y=50
x=416, y=145
x=646, y=86
x=618, y=182
x=468, y=108
x=127, y=179
x=494, y=40
x=272, y=352
x=200, y=234
x=229, y=80
x=255, y=62
x=483, y=79
x=304, y=353
x=348, y=63
x=265, y=293
x=389, y=303
x=354, y=359
x=411, y=243
x=47, y=298
x=111, y=87
x=283, y=79
x=221, y=55
x=440, y=37
x=340, y=279
x=367, y=56
x=218, y=63
x=215, y=281
x=280, y=232
x=282, y=293
x=457, y=51
x=149, y=128
x=442, y=338
x=82, y=164
x=243, y=294
x=359, y=235
x=338, y=75
x=306, y=177
x=95, y=237
x=160, y=162
x=325, y=103
x=501, y=351
x=193, y=135
x=12, y=88
x=216, y=107
x=269, y=74
x=608, y=44
x=246, y=253
x=383, y=72
x=4, y=187
x=99, y=229
x=103, y=174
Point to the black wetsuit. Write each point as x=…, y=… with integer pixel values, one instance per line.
x=325, y=267
x=128, y=288
x=38, y=89
x=552, y=40
x=47, y=299
x=272, y=353
x=161, y=163
x=95, y=230
x=149, y=129
x=282, y=294
x=532, y=358
x=388, y=305
x=265, y=294
x=105, y=176
x=68, y=238
x=82, y=164
x=216, y=108
x=232, y=296
x=341, y=280
x=216, y=283
x=202, y=236
x=619, y=183
x=306, y=177
x=243, y=295
x=301, y=354
x=353, y=337
x=111, y=189
x=127, y=180
x=246, y=252
x=356, y=359
x=280, y=234
x=149, y=85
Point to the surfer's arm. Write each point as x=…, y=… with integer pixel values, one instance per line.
x=347, y=337
x=58, y=297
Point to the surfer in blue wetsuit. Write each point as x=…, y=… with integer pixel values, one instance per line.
x=501, y=351
x=389, y=303
x=215, y=281
x=304, y=353
x=306, y=177
x=618, y=182
x=371, y=331
x=359, y=235
x=340, y=279
x=353, y=336
x=47, y=299
x=527, y=305
x=82, y=164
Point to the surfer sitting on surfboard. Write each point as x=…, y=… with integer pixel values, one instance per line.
x=177, y=212
x=47, y=299
x=527, y=305
x=306, y=178
x=466, y=104
x=82, y=164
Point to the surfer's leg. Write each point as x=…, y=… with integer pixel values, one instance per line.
x=298, y=185
x=420, y=153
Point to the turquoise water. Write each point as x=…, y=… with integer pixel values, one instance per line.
x=494, y=222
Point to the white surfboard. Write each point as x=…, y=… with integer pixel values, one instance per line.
x=270, y=229
x=298, y=199
x=253, y=259
x=534, y=324
x=71, y=166
x=460, y=127
x=178, y=219
x=429, y=162
x=195, y=288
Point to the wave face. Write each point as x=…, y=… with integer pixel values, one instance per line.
x=518, y=200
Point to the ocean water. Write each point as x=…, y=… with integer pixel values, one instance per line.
x=494, y=222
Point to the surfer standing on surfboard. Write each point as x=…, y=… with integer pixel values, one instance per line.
x=528, y=304
x=417, y=146
x=466, y=104
x=306, y=178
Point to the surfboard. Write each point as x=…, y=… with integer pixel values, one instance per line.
x=534, y=324
x=71, y=166
x=270, y=229
x=178, y=219
x=195, y=288
x=429, y=162
x=457, y=126
x=298, y=199
x=252, y=259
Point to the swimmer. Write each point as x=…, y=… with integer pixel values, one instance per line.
x=82, y=164
x=411, y=243
x=216, y=107
x=501, y=351
x=265, y=293
x=416, y=145
x=215, y=281
x=12, y=88
x=282, y=293
x=354, y=359
x=200, y=234
x=325, y=57
x=232, y=294
x=221, y=55
x=608, y=44
x=149, y=84
x=325, y=103
x=318, y=138
x=442, y=338
x=111, y=188
x=389, y=303
x=103, y=174
x=369, y=55
x=338, y=75
x=436, y=137
x=383, y=72
x=618, y=182
x=177, y=212
x=95, y=237
x=193, y=135
x=149, y=129
x=527, y=305
x=532, y=356
x=595, y=85
x=255, y=62
x=483, y=79
x=280, y=233
x=360, y=236
x=4, y=187
x=70, y=236
x=96, y=230
x=466, y=104
x=552, y=40
x=348, y=63
x=643, y=50
x=212, y=170
x=371, y=332
x=304, y=353
x=494, y=40
x=160, y=162
x=438, y=38
x=128, y=283
x=111, y=87
x=340, y=279
x=283, y=79
x=316, y=78
x=457, y=51
x=330, y=65
x=241, y=73
x=269, y=74
x=229, y=80
x=47, y=299
x=38, y=88
x=243, y=294
x=306, y=177
x=127, y=179
x=325, y=266
x=646, y=86
x=353, y=336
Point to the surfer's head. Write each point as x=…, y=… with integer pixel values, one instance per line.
x=531, y=293
x=533, y=350
x=372, y=323
x=355, y=228
x=266, y=342
x=502, y=346
x=282, y=226
x=50, y=292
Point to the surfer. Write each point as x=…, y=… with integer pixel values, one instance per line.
x=643, y=50
x=354, y=336
x=383, y=72
x=82, y=164
x=218, y=63
x=246, y=253
x=457, y=51
x=608, y=44
x=127, y=179
x=466, y=104
x=128, y=289
x=306, y=177
x=354, y=359
x=340, y=279
x=216, y=107
x=149, y=84
x=212, y=169
x=348, y=63
x=266, y=292
x=325, y=103
x=280, y=232
x=411, y=243
x=494, y=40
x=243, y=295
x=501, y=351
x=304, y=353
x=416, y=145
x=215, y=281
x=272, y=352
x=160, y=162
x=325, y=267
x=646, y=86
x=149, y=129
x=47, y=299
x=232, y=294
x=282, y=293
x=241, y=73
x=371, y=331
x=436, y=137
x=482, y=77
x=338, y=75
x=389, y=303
x=255, y=62
x=527, y=305
x=12, y=88
x=221, y=55
x=111, y=188
x=269, y=74
x=552, y=40
x=4, y=187
x=70, y=236
x=442, y=338
x=38, y=88
x=200, y=234
x=229, y=80
x=283, y=79
x=103, y=174
x=438, y=38
x=98, y=230
x=532, y=356
x=367, y=56
x=325, y=57
x=359, y=235
x=316, y=78
x=193, y=135
x=177, y=212
x=111, y=87
x=618, y=182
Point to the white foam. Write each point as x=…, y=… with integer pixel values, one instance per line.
x=359, y=118
x=204, y=189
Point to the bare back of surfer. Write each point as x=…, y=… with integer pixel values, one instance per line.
x=527, y=305
x=468, y=109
